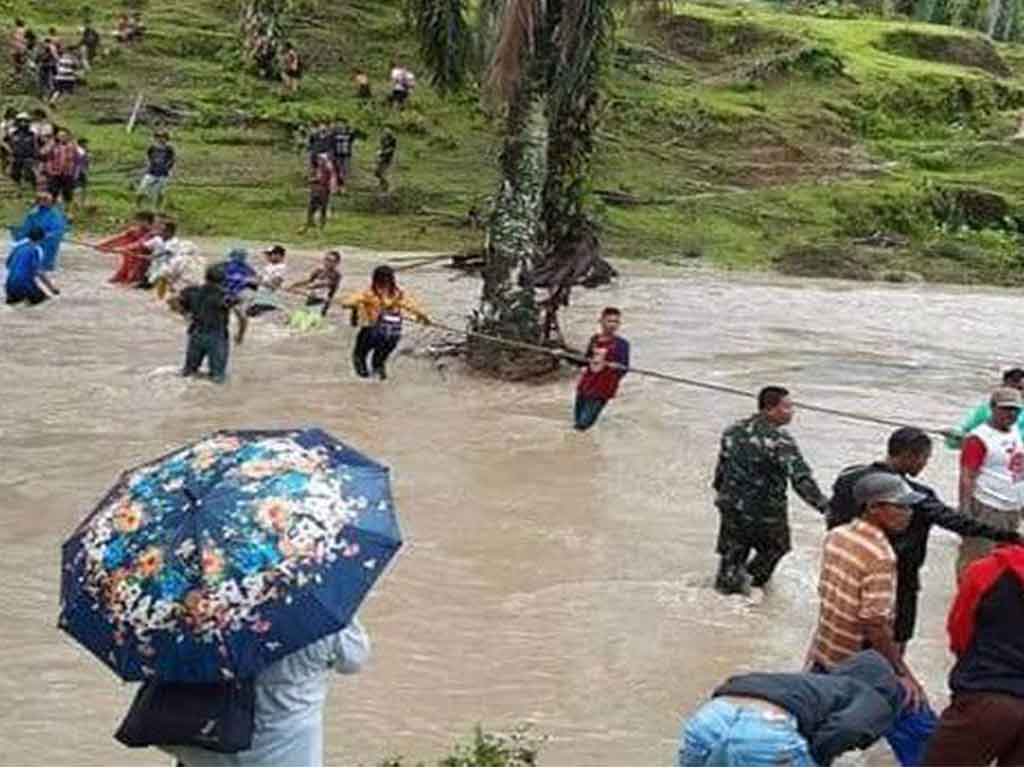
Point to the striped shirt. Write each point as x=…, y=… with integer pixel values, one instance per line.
x=857, y=586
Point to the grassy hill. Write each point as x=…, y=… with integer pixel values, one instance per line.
x=738, y=134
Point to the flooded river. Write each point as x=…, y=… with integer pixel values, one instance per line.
x=548, y=577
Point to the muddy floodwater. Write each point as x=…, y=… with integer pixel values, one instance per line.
x=547, y=577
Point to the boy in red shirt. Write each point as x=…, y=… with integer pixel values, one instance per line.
x=608, y=361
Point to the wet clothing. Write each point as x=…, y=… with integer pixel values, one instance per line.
x=985, y=720
x=380, y=321
x=51, y=220
x=586, y=411
x=209, y=307
x=369, y=304
x=850, y=708
x=130, y=245
x=323, y=284
x=857, y=587
x=911, y=546
x=24, y=265
x=604, y=384
x=756, y=463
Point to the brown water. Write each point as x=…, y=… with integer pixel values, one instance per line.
x=549, y=577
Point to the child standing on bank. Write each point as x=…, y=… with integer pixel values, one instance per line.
x=608, y=361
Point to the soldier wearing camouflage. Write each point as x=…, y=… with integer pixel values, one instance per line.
x=757, y=461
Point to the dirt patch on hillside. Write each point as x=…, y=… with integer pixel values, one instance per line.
x=946, y=49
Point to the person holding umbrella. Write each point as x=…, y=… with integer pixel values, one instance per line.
x=290, y=697
x=230, y=572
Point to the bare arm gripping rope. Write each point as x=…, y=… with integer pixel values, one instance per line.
x=850, y=415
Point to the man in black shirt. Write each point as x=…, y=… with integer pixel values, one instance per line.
x=209, y=308
x=909, y=451
x=985, y=719
x=160, y=161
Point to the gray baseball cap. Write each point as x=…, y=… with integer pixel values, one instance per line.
x=885, y=487
x=1007, y=397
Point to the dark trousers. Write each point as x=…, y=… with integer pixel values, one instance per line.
x=23, y=170
x=737, y=538
x=31, y=295
x=977, y=728
x=587, y=411
x=207, y=345
x=375, y=345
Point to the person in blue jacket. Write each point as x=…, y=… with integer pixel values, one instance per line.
x=25, y=271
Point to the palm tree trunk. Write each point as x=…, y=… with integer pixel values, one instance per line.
x=508, y=306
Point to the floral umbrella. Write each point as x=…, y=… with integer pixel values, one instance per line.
x=220, y=558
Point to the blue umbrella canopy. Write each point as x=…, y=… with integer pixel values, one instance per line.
x=220, y=558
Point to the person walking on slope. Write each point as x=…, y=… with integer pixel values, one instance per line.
x=379, y=312
x=992, y=473
x=607, y=363
x=765, y=719
x=756, y=462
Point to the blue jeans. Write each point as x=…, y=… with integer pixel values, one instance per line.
x=587, y=410
x=723, y=733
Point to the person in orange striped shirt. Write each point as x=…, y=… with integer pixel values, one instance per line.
x=857, y=586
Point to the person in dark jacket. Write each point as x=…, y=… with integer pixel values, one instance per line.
x=208, y=306
x=794, y=718
x=908, y=453
x=985, y=719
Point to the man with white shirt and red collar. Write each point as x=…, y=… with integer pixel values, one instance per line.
x=992, y=473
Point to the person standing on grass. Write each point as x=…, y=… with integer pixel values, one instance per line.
x=65, y=77
x=82, y=161
x=343, y=139
x=992, y=474
x=160, y=161
x=607, y=362
x=757, y=460
x=89, y=45
x=385, y=158
x=379, y=312
x=24, y=152
x=60, y=168
x=321, y=184
x=291, y=69
x=19, y=47
x=46, y=68
x=25, y=271
x=209, y=308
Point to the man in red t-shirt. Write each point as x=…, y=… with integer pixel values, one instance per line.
x=608, y=362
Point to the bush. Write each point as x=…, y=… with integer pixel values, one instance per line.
x=520, y=747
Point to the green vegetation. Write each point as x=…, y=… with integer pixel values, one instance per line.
x=520, y=747
x=740, y=135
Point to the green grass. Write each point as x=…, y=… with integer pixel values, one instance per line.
x=737, y=149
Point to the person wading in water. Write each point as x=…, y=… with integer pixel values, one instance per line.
x=758, y=458
x=379, y=313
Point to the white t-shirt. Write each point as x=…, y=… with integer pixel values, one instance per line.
x=272, y=276
x=1001, y=475
x=402, y=79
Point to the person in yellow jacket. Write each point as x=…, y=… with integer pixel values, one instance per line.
x=379, y=312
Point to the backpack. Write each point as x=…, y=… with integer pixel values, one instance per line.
x=388, y=326
x=214, y=716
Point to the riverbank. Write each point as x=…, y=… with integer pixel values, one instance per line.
x=733, y=135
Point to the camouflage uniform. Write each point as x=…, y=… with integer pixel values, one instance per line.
x=756, y=462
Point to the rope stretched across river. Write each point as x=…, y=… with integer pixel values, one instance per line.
x=676, y=379
x=659, y=375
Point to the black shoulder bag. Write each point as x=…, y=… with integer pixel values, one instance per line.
x=214, y=716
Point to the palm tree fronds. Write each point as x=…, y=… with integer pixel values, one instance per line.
x=445, y=40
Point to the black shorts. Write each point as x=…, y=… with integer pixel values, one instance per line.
x=82, y=182
x=31, y=296
x=64, y=86
x=399, y=97
x=62, y=187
